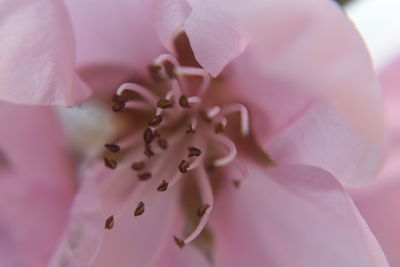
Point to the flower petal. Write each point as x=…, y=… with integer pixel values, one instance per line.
x=114, y=33
x=37, y=54
x=312, y=48
x=323, y=138
x=36, y=184
x=291, y=215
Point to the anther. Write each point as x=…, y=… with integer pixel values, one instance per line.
x=162, y=143
x=165, y=103
x=148, y=151
x=137, y=166
x=184, y=102
x=179, y=242
x=183, y=166
x=148, y=135
x=120, y=99
x=202, y=210
x=190, y=130
x=219, y=128
x=110, y=163
x=169, y=69
x=144, y=176
x=154, y=72
x=112, y=148
x=194, y=152
x=237, y=183
x=109, y=224
x=204, y=116
x=155, y=121
x=163, y=186
x=139, y=209
x=118, y=107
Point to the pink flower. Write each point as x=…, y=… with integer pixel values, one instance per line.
x=301, y=130
x=379, y=202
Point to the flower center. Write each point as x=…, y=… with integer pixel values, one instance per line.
x=181, y=134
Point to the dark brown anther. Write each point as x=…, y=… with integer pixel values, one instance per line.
x=144, y=176
x=204, y=116
x=154, y=72
x=219, y=128
x=120, y=99
x=183, y=166
x=183, y=101
x=155, y=121
x=190, y=130
x=148, y=135
x=162, y=143
x=237, y=183
x=109, y=224
x=139, y=209
x=138, y=166
x=169, y=69
x=118, y=107
x=163, y=186
x=165, y=103
x=148, y=151
x=194, y=152
x=179, y=242
x=110, y=163
x=202, y=210
x=112, y=148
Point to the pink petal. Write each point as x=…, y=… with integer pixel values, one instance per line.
x=291, y=215
x=83, y=235
x=312, y=47
x=323, y=138
x=114, y=34
x=214, y=37
x=379, y=204
x=36, y=185
x=37, y=58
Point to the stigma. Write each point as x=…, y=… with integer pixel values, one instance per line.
x=181, y=136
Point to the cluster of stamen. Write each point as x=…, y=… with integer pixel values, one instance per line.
x=178, y=121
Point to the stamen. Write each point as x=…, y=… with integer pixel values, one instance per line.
x=118, y=107
x=183, y=166
x=154, y=72
x=155, y=121
x=191, y=71
x=110, y=163
x=145, y=93
x=148, y=135
x=207, y=197
x=139, y=209
x=144, y=176
x=202, y=210
x=190, y=130
x=244, y=116
x=232, y=151
x=179, y=242
x=194, y=99
x=194, y=152
x=204, y=116
x=148, y=151
x=165, y=103
x=112, y=148
x=213, y=112
x=138, y=166
x=163, y=186
x=109, y=224
x=219, y=128
x=162, y=142
x=166, y=57
x=184, y=102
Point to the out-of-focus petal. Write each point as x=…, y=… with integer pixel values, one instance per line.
x=114, y=33
x=379, y=204
x=36, y=184
x=323, y=138
x=37, y=57
x=312, y=48
x=83, y=234
x=291, y=215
